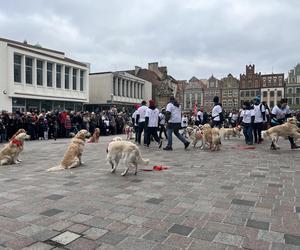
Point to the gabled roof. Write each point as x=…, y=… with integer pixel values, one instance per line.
x=146, y=75
x=193, y=79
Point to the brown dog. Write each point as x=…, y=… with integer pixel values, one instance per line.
x=95, y=137
x=288, y=129
x=72, y=157
x=207, y=136
x=216, y=139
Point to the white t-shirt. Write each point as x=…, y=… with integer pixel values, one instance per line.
x=134, y=117
x=280, y=113
x=247, y=114
x=199, y=114
x=215, y=113
x=175, y=113
x=258, y=110
x=142, y=112
x=234, y=117
x=267, y=113
x=153, y=117
x=184, y=122
x=162, y=119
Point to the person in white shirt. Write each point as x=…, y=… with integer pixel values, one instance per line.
x=233, y=118
x=134, y=122
x=184, y=124
x=140, y=119
x=217, y=113
x=199, y=118
x=162, y=124
x=247, y=119
x=151, y=121
x=173, y=118
x=279, y=114
x=260, y=115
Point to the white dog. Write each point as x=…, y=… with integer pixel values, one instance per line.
x=118, y=150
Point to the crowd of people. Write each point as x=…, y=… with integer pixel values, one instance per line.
x=148, y=121
x=54, y=124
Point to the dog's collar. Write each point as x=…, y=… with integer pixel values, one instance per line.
x=18, y=143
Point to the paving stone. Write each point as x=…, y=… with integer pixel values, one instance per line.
x=65, y=238
x=270, y=236
x=31, y=230
x=180, y=229
x=154, y=201
x=178, y=241
x=229, y=239
x=39, y=246
x=54, y=197
x=71, y=183
x=79, y=218
x=82, y=244
x=258, y=224
x=156, y=235
x=227, y=187
x=19, y=243
x=235, y=220
x=11, y=213
x=94, y=233
x=278, y=185
x=78, y=228
x=51, y=212
x=136, y=220
x=136, y=180
x=292, y=239
x=204, y=234
x=297, y=209
x=112, y=238
x=136, y=244
x=243, y=202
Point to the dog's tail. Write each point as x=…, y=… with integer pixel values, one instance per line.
x=265, y=134
x=142, y=160
x=56, y=168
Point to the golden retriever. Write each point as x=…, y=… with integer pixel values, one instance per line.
x=288, y=129
x=129, y=132
x=207, y=136
x=72, y=157
x=196, y=134
x=127, y=151
x=216, y=139
x=227, y=132
x=95, y=137
x=10, y=153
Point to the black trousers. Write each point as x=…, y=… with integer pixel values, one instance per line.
x=162, y=129
x=141, y=128
x=151, y=131
x=257, y=128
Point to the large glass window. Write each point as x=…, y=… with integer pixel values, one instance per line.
x=127, y=89
x=81, y=79
x=271, y=93
x=74, y=79
x=279, y=93
x=142, y=90
x=49, y=74
x=39, y=72
x=58, y=76
x=28, y=63
x=17, y=67
x=123, y=87
x=67, y=77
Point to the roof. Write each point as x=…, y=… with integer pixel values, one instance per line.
x=193, y=79
x=146, y=75
x=30, y=46
x=66, y=59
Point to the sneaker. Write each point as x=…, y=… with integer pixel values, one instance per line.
x=294, y=146
x=167, y=148
x=160, y=144
x=186, y=145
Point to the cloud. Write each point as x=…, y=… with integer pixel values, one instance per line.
x=192, y=37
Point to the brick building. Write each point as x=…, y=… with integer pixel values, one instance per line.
x=230, y=93
x=213, y=89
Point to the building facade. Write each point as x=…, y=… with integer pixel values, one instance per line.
x=117, y=88
x=272, y=88
x=194, y=93
x=213, y=89
x=230, y=93
x=292, y=88
x=36, y=78
x=250, y=84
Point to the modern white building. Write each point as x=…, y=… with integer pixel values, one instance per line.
x=117, y=88
x=36, y=78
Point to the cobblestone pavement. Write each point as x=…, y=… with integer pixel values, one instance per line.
x=206, y=200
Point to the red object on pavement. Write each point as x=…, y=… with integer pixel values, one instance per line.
x=159, y=168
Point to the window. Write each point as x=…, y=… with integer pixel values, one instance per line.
x=67, y=77
x=229, y=103
x=297, y=90
x=264, y=82
x=119, y=87
x=17, y=67
x=290, y=90
x=247, y=93
x=131, y=90
x=82, y=79
x=138, y=91
x=257, y=93
x=114, y=86
x=229, y=93
x=224, y=103
x=49, y=74
x=235, y=93
x=235, y=102
x=58, y=76
x=127, y=89
x=123, y=87
x=271, y=93
x=134, y=91
x=242, y=94
x=252, y=93
x=74, y=79
x=297, y=100
x=39, y=72
x=271, y=104
x=290, y=101
x=28, y=63
x=225, y=93
x=265, y=94
x=279, y=93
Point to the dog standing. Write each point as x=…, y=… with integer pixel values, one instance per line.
x=118, y=150
x=216, y=139
x=72, y=157
x=196, y=134
x=10, y=153
x=129, y=132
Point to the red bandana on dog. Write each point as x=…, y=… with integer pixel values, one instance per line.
x=17, y=142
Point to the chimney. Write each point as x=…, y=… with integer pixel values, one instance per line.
x=136, y=70
x=153, y=66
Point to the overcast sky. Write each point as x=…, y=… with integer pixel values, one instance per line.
x=191, y=37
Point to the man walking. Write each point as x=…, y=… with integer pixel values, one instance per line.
x=151, y=122
x=217, y=113
x=173, y=119
x=260, y=115
x=140, y=118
